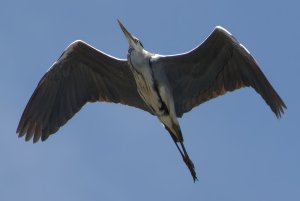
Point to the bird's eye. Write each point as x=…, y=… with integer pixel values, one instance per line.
x=138, y=42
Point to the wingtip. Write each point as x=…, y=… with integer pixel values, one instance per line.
x=20, y=132
x=29, y=132
x=280, y=111
x=35, y=137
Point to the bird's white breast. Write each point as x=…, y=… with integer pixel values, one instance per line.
x=143, y=75
x=154, y=89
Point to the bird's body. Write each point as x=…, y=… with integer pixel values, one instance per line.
x=153, y=89
x=164, y=86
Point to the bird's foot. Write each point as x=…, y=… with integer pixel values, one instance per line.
x=191, y=167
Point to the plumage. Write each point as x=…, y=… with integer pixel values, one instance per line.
x=218, y=65
x=165, y=86
x=84, y=75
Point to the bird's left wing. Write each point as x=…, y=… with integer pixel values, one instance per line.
x=82, y=74
x=218, y=65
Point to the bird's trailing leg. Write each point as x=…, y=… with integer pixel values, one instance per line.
x=189, y=162
x=184, y=155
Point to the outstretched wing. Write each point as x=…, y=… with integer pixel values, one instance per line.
x=218, y=65
x=82, y=74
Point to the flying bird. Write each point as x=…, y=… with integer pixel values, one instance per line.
x=166, y=86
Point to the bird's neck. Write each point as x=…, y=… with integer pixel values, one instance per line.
x=138, y=59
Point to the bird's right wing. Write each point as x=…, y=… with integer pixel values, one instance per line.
x=220, y=64
x=82, y=74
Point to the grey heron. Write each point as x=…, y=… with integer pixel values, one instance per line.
x=166, y=86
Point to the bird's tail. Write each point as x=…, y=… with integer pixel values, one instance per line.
x=180, y=146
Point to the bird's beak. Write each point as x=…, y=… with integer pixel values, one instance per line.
x=127, y=34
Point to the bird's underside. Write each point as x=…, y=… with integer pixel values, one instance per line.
x=84, y=74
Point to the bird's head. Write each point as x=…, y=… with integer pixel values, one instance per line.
x=133, y=42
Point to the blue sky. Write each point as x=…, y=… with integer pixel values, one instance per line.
x=114, y=152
